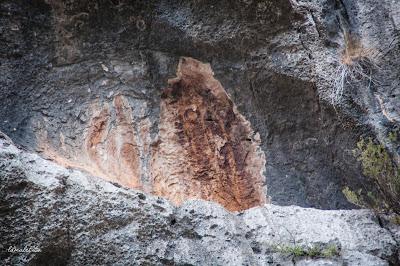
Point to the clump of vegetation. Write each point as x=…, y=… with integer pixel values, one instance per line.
x=354, y=197
x=313, y=251
x=395, y=219
x=330, y=251
x=379, y=167
x=356, y=65
x=392, y=136
x=296, y=251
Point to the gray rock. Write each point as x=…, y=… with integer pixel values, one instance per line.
x=76, y=219
x=278, y=60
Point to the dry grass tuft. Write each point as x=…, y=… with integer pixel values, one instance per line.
x=356, y=65
x=354, y=52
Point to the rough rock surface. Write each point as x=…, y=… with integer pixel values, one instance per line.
x=66, y=65
x=206, y=149
x=112, y=147
x=76, y=219
x=84, y=83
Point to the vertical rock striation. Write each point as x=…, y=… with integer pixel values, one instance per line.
x=206, y=148
x=110, y=145
x=63, y=62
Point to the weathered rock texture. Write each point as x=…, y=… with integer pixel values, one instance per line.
x=206, y=149
x=112, y=146
x=76, y=219
x=67, y=66
x=115, y=150
x=81, y=83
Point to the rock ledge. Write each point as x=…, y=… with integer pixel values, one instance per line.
x=74, y=219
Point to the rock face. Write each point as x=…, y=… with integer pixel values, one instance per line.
x=70, y=218
x=213, y=100
x=69, y=67
x=206, y=149
x=112, y=147
x=115, y=150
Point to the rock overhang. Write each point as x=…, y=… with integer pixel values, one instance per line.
x=204, y=149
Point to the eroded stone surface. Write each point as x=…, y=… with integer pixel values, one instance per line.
x=206, y=149
x=77, y=219
x=275, y=58
x=112, y=145
x=115, y=150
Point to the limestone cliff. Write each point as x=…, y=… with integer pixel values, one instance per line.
x=64, y=217
x=240, y=103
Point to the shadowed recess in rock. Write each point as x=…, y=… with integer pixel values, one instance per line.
x=206, y=148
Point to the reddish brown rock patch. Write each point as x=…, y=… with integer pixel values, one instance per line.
x=113, y=148
x=206, y=149
x=110, y=149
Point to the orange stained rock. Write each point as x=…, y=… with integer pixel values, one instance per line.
x=110, y=147
x=206, y=148
x=113, y=148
